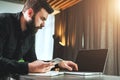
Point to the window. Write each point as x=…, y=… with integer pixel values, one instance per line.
x=44, y=40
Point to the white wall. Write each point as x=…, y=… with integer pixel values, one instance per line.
x=10, y=7
x=44, y=40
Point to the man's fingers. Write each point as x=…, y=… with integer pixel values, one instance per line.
x=68, y=67
x=48, y=66
x=76, y=67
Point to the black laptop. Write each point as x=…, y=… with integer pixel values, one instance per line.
x=91, y=60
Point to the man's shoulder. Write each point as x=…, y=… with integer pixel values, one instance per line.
x=4, y=15
x=8, y=20
x=7, y=15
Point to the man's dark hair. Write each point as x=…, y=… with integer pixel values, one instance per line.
x=36, y=5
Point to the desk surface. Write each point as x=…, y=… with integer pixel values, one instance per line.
x=70, y=77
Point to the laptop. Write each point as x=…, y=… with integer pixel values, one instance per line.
x=91, y=60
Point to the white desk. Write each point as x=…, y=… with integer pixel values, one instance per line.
x=70, y=77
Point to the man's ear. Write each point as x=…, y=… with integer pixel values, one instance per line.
x=30, y=12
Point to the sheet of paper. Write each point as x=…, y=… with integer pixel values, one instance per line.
x=50, y=73
x=56, y=60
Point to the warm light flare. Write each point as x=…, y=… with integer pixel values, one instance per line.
x=59, y=30
x=118, y=5
x=63, y=44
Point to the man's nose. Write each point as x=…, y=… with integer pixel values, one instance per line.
x=43, y=24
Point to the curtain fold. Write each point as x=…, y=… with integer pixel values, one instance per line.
x=71, y=32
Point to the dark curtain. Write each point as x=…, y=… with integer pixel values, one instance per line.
x=101, y=30
x=91, y=24
x=69, y=31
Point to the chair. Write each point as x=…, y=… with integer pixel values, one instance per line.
x=91, y=60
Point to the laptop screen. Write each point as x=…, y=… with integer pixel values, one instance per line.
x=91, y=60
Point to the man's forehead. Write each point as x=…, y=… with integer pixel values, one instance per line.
x=43, y=12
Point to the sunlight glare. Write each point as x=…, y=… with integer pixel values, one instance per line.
x=118, y=5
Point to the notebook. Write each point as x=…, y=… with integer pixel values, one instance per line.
x=91, y=60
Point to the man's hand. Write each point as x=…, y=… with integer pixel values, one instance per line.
x=40, y=66
x=68, y=65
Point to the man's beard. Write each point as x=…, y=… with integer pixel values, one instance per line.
x=31, y=26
